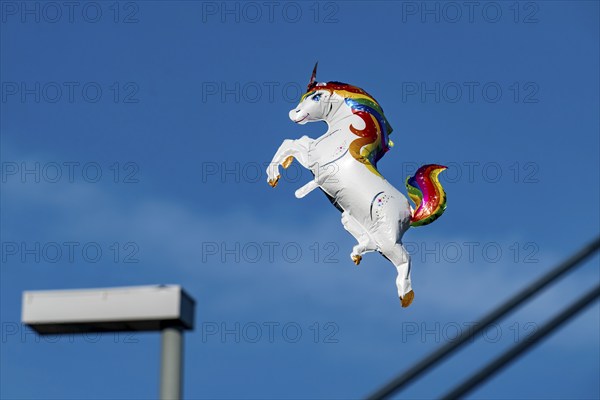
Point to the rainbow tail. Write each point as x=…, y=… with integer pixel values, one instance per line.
x=425, y=190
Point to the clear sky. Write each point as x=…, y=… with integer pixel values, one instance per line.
x=134, y=138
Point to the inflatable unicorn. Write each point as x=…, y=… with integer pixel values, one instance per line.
x=344, y=164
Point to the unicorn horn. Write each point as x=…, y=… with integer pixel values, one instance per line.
x=313, y=78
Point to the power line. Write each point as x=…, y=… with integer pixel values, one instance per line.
x=495, y=366
x=514, y=302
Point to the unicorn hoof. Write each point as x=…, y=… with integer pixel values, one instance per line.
x=273, y=182
x=356, y=258
x=286, y=163
x=407, y=299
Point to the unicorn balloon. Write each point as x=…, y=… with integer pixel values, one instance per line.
x=344, y=164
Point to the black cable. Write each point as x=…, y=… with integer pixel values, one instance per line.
x=447, y=349
x=495, y=366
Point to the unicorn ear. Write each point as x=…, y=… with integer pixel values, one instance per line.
x=313, y=78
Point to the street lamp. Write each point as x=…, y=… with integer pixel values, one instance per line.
x=165, y=308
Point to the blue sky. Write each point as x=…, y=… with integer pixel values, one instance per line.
x=149, y=123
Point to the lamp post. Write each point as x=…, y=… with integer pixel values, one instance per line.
x=165, y=308
x=171, y=363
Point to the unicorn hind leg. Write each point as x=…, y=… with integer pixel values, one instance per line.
x=398, y=255
x=365, y=244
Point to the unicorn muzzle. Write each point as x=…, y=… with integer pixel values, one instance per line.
x=298, y=116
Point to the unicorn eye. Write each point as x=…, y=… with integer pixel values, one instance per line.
x=316, y=97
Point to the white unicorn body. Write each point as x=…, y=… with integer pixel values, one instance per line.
x=373, y=210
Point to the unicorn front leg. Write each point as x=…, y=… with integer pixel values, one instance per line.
x=364, y=245
x=284, y=156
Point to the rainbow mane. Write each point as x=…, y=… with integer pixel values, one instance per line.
x=425, y=190
x=373, y=141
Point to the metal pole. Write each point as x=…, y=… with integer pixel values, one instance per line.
x=495, y=366
x=171, y=366
x=514, y=302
